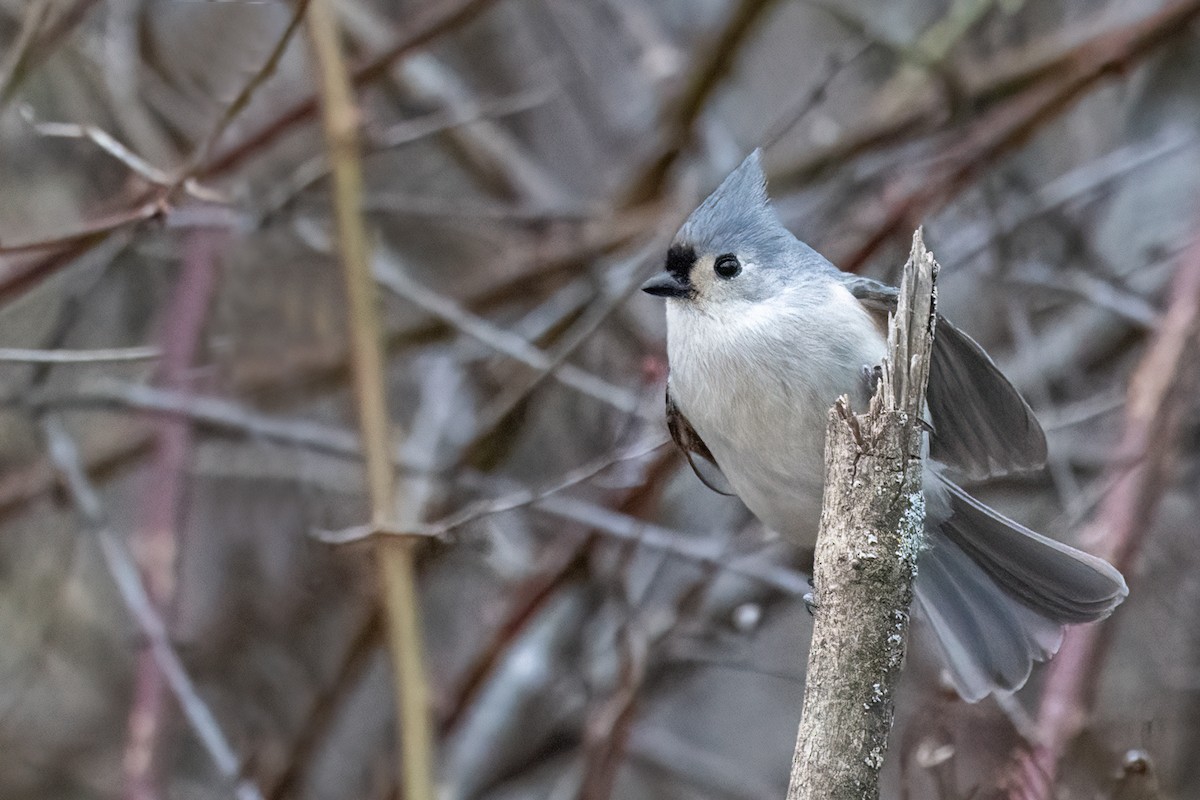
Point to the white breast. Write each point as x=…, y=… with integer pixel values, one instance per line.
x=757, y=382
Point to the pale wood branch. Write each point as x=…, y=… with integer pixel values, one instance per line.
x=872, y=528
x=394, y=555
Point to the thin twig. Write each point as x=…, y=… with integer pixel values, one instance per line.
x=212, y=412
x=229, y=417
x=813, y=96
x=511, y=501
x=148, y=205
x=120, y=564
x=443, y=19
x=394, y=279
x=322, y=712
x=46, y=24
x=204, y=150
x=1006, y=127
x=18, y=355
x=497, y=158
x=316, y=169
x=86, y=235
x=715, y=62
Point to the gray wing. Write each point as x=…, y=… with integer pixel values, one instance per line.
x=982, y=425
x=690, y=443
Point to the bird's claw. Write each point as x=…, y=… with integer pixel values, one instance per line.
x=871, y=376
x=810, y=603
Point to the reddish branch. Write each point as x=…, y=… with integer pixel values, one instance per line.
x=564, y=563
x=1010, y=125
x=444, y=19
x=323, y=711
x=151, y=203
x=717, y=60
x=155, y=540
x=1162, y=389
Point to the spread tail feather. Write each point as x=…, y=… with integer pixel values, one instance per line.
x=997, y=595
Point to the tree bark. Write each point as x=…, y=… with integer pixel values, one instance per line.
x=872, y=529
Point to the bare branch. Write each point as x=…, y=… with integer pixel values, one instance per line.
x=394, y=279
x=230, y=417
x=715, y=63
x=86, y=235
x=395, y=558
x=872, y=529
x=510, y=501
x=1160, y=392
x=445, y=18
x=124, y=571
x=18, y=355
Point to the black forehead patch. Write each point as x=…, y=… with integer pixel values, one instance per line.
x=680, y=259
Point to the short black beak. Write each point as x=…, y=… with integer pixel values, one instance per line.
x=666, y=284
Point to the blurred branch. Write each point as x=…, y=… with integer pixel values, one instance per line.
x=1161, y=391
x=872, y=530
x=1073, y=187
x=316, y=169
x=496, y=156
x=644, y=640
x=72, y=245
x=444, y=18
x=561, y=562
x=148, y=205
x=395, y=557
x=212, y=412
x=38, y=37
x=229, y=417
x=616, y=525
x=167, y=183
x=323, y=711
x=204, y=150
x=812, y=96
x=996, y=133
x=17, y=355
x=443, y=120
x=1106, y=54
x=156, y=537
x=716, y=61
x=395, y=280
x=124, y=571
x=74, y=242
x=715, y=773
x=627, y=279
x=12, y=67
x=109, y=144
x=473, y=512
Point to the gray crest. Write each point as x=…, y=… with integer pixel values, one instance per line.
x=738, y=211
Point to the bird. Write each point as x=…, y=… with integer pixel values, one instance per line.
x=764, y=334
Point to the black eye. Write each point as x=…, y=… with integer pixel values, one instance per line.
x=727, y=266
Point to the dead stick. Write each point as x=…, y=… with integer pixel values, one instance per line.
x=872, y=527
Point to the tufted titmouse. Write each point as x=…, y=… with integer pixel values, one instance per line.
x=763, y=334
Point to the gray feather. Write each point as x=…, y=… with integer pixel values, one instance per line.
x=989, y=640
x=738, y=216
x=982, y=425
x=1058, y=581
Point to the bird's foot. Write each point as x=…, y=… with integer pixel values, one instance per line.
x=871, y=376
x=811, y=603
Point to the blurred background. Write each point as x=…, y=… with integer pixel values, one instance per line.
x=186, y=607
